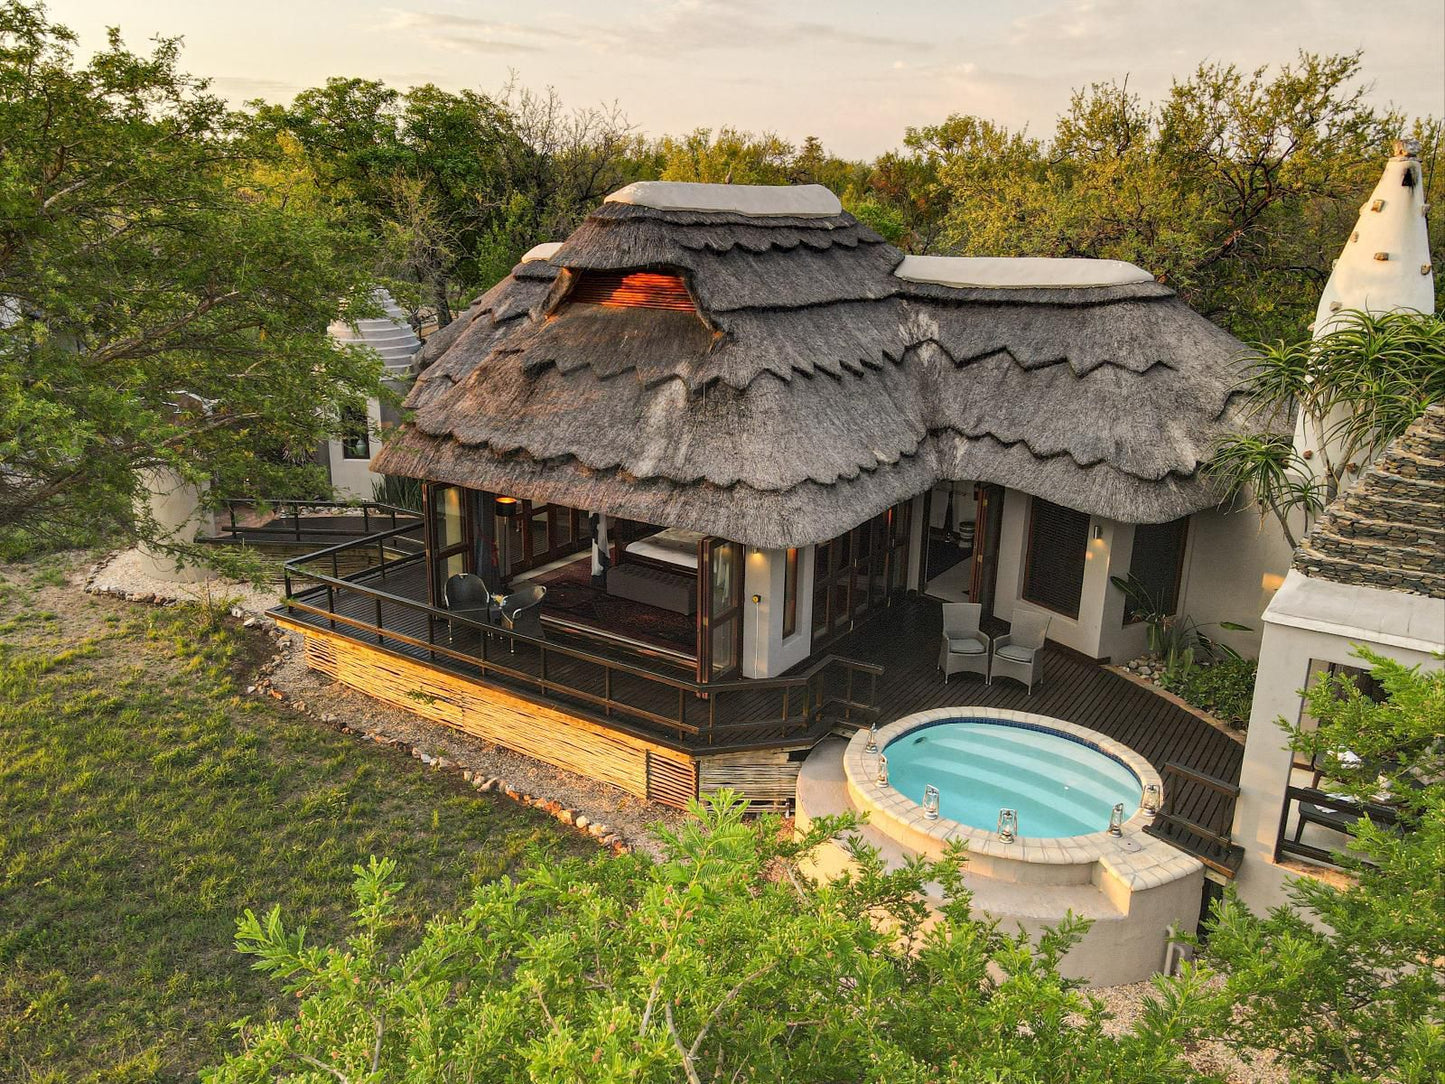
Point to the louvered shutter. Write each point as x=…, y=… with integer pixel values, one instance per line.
x=1058, y=539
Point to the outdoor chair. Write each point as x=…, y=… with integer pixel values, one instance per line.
x=521, y=611
x=964, y=648
x=1018, y=653
x=466, y=595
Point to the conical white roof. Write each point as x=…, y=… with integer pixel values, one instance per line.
x=390, y=335
x=1385, y=265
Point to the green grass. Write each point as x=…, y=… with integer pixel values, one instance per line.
x=146, y=803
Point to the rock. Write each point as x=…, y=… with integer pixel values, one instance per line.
x=250, y=689
x=566, y=816
x=467, y=774
x=441, y=762
x=328, y=717
x=582, y=821
x=236, y=611
x=489, y=786
x=249, y=623
x=596, y=830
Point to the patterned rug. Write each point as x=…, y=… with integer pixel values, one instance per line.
x=570, y=593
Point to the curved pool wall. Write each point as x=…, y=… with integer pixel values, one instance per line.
x=1059, y=785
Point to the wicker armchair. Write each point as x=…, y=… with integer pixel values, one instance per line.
x=1018, y=653
x=964, y=647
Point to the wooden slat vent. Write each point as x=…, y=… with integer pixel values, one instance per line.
x=633, y=289
x=670, y=782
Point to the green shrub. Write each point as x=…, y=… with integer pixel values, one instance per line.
x=1225, y=688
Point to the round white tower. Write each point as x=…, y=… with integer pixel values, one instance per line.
x=1385, y=265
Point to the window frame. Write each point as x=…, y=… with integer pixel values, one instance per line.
x=1131, y=618
x=792, y=560
x=355, y=433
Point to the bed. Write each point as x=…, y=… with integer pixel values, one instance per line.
x=674, y=548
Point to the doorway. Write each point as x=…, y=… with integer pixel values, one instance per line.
x=961, y=542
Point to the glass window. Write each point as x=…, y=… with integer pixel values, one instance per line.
x=1155, y=562
x=724, y=571
x=355, y=438
x=447, y=511
x=790, y=593
x=1058, y=541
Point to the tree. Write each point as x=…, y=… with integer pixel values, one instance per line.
x=165, y=297
x=1356, y=388
x=1347, y=984
x=1236, y=190
x=721, y=962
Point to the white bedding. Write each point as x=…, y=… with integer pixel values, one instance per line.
x=673, y=546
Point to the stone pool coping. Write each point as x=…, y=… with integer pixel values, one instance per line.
x=861, y=770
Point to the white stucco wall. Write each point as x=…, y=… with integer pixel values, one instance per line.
x=1312, y=621
x=1098, y=630
x=175, y=505
x=766, y=653
x=1233, y=564
x=915, y=543
x=353, y=478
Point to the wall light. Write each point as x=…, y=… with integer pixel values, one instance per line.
x=507, y=507
x=1098, y=533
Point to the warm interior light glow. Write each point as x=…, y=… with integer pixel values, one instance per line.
x=1271, y=582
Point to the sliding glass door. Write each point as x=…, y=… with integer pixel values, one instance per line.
x=856, y=572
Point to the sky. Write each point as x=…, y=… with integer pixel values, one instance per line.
x=855, y=73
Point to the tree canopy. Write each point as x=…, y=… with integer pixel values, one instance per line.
x=723, y=961
x=1347, y=984
x=165, y=291
x=1237, y=189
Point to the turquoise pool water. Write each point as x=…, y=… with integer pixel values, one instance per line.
x=1059, y=786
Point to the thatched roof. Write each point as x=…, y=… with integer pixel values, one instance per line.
x=813, y=387
x=1388, y=531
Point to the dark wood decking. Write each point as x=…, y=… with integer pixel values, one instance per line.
x=903, y=639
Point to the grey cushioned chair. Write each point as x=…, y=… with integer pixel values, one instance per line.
x=1018, y=653
x=964, y=647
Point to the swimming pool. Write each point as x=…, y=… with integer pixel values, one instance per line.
x=1059, y=785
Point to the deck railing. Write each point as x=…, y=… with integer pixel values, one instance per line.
x=1309, y=805
x=1209, y=839
x=614, y=689
x=305, y=520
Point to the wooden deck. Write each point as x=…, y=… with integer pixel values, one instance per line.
x=668, y=727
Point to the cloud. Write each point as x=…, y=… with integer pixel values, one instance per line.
x=237, y=87
x=670, y=28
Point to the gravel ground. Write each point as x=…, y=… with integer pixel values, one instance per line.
x=608, y=812
x=120, y=574
x=1127, y=1004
